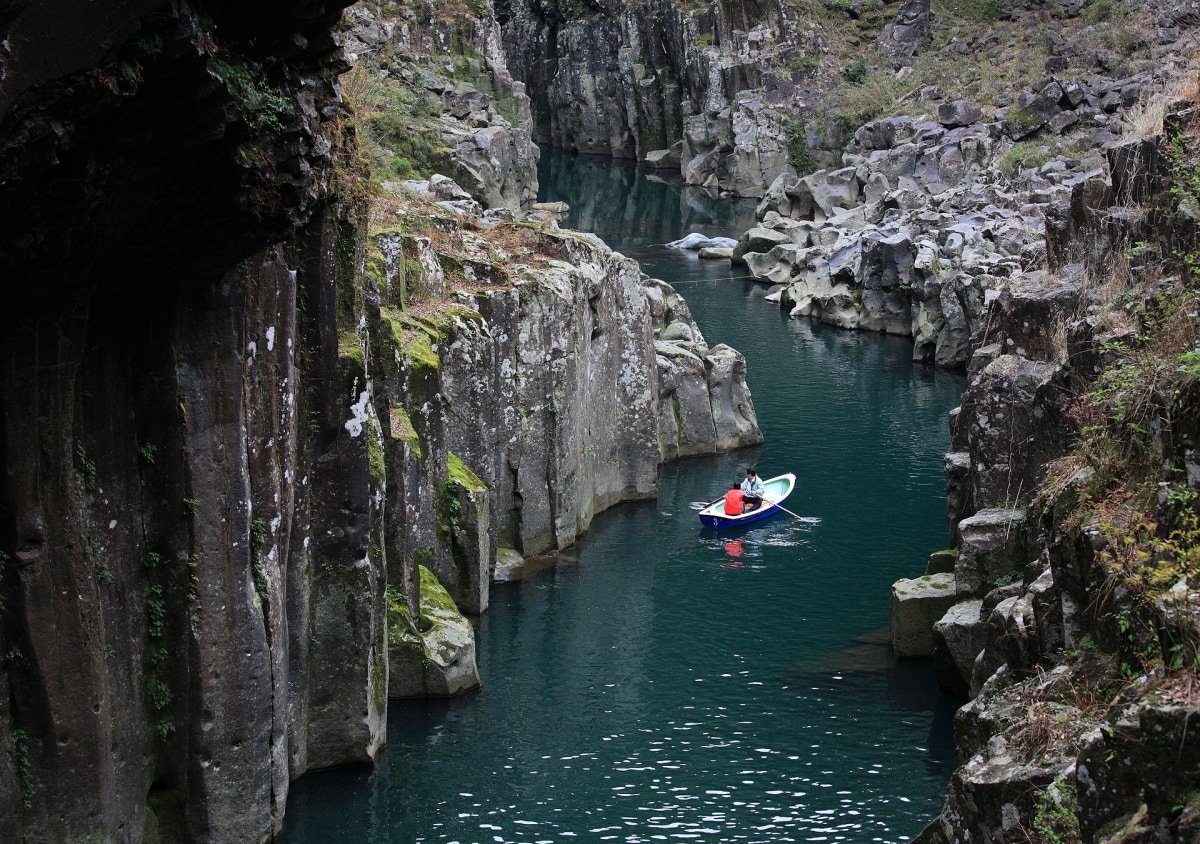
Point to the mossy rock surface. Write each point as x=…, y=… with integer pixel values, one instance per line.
x=462, y=475
x=436, y=656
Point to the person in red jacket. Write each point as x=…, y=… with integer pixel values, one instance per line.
x=735, y=501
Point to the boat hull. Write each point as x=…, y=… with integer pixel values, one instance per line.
x=777, y=491
x=746, y=518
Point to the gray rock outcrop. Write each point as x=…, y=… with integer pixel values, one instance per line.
x=458, y=62
x=559, y=389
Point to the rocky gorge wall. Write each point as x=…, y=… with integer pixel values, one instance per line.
x=251, y=423
x=173, y=616
x=440, y=87
x=674, y=85
x=560, y=376
x=1067, y=611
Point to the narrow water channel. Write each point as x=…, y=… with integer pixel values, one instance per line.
x=671, y=683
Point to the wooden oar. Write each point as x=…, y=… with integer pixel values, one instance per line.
x=790, y=513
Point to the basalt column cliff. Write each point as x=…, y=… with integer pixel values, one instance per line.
x=183, y=517
x=269, y=409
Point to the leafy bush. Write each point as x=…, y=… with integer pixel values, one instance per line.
x=799, y=154
x=1102, y=10
x=856, y=72
x=971, y=11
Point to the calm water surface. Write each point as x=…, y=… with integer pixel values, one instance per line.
x=678, y=684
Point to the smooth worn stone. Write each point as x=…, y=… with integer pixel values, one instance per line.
x=958, y=113
x=436, y=656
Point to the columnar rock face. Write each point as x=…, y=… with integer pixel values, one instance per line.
x=559, y=383
x=185, y=520
x=659, y=81
x=231, y=440
x=914, y=237
x=1074, y=677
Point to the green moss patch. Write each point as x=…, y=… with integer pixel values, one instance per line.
x=462, y=475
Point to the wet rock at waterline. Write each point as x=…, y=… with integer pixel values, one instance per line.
x=959, y=638
x=698, y=242
x=991, y=545
x=433, y=656
x=916, y=604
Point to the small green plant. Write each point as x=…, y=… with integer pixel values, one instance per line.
x=192, y=564
x=705, y=40
x=156, y=611
x=87, y=467
x=24, y=768
x=1054, y=819
x=856, y=72
x=258, y=538
x=259, y=104
x=160, y=696
x=1009, y=579
x=799, y=153
x=147, y=452
x=451, y=510
x=972, y=11
x=160, y=693
x=1101, y=10
x=1023, y=156
x=189, y=506
x=151, y=560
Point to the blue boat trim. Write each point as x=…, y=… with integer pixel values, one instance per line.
x=777, y=490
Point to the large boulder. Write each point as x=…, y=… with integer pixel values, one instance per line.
x=959, y=113
x=1013, y=426
x=909, y=32
x=1021, y=316
x=917, y=604
x=733, y=414
x=758, y=239
x=1132, y=773
x=829, y=192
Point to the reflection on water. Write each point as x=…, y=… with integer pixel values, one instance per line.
x=681, y=683
x=625, y=209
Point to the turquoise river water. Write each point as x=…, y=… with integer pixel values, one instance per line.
x=670, y=683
